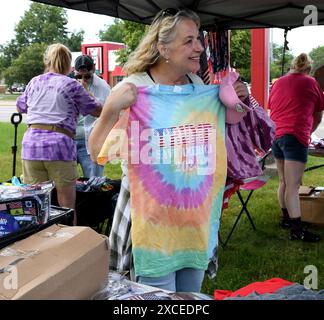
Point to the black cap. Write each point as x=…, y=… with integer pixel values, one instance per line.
x=83, y=62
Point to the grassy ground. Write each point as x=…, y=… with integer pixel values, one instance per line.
x=267, y=252
x=8, y=96
x=6, y=158
x=250, y=255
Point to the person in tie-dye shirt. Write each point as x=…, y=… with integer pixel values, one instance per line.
x=168, y=55
x=53, y=102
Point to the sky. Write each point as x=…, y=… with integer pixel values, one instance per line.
x=91, y=23
x=302, y=39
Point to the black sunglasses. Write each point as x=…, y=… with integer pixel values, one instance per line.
x=169, y=12
x=85, y=76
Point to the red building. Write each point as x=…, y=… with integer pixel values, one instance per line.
x=104, y=56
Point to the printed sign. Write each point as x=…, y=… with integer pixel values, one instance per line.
x=96, y=54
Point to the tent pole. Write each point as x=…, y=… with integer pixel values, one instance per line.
x=285, y=47
x=260, y=65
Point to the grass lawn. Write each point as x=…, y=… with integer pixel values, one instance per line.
x=6, y=158
x=267, y=252
x=250, y=255
x=8, y=96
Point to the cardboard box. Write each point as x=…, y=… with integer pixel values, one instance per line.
x=59, y=262
x=312, y=204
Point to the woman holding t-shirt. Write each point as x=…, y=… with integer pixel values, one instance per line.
x=296, y=103
x=169, y=56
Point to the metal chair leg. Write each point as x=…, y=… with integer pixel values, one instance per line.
x=243, y=209
x=244, y=204
x=233, y=228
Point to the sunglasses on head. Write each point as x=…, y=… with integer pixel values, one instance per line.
x=169, y=12
x=85, y=76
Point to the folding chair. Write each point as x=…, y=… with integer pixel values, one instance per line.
x=249, y=184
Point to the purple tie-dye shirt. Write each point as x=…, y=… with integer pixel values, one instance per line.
x=53, y=98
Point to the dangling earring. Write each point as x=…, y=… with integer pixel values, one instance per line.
x=166, y=60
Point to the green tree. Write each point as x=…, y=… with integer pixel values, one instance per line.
x=317, y=56
x=240, y=52
x=114, y=32
x=133, y=33
x=276, y=63
x=42, y=24
x=127, y=32
x=8, y=53
x=74, y=41
x=28, y=64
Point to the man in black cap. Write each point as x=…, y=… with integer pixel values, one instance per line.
x=84, y=67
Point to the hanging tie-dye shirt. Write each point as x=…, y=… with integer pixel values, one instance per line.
x=177, y=169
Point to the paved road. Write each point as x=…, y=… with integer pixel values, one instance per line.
x=7, y=108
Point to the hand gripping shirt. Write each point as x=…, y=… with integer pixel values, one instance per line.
x=177, y=169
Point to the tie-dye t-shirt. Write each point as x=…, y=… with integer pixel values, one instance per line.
x=53, y=98
x=177, y=169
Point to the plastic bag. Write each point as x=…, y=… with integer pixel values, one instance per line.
x=22, y=206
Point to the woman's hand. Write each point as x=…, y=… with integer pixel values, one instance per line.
x=122, y=97
x=241, y=90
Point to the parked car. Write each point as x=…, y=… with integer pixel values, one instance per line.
x=17, y=87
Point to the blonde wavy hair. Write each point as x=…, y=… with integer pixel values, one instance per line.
x=161, y=31
x=301, y=64
x=57, y=58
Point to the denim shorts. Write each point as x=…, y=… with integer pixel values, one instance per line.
x=288, y=147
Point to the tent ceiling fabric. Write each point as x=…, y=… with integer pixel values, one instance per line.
x=231, y=14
